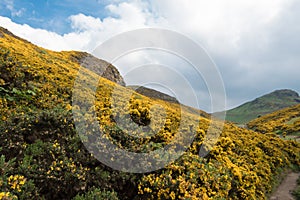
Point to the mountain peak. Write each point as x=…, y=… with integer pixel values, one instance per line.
x=285, y=93
x=265, y=104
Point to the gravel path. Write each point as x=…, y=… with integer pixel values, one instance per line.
x=283, y=192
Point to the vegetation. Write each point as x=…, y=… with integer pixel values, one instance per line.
x=43, y=157
x=153, y=93
x=296, y=192
x=285, y=122
x=266, y=104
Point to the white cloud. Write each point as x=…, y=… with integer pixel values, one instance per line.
x=82, y=22
x=88, y=31
x=40, y=37
x=219, y=25
x=243, y=37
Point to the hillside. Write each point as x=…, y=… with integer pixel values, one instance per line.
x=46, y=123
x=154, y=94
x=263, y=105
x=285, y=122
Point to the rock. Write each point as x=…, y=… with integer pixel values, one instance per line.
x=100, y=67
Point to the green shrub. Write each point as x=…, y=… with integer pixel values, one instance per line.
x=97, y=194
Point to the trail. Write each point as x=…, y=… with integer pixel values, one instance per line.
x=283, y=192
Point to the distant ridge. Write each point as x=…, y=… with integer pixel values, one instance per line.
x=153, y=93
x=265, y=104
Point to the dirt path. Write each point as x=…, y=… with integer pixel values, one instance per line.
x=283, y=192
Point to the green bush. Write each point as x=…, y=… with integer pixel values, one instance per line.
x=97, y=194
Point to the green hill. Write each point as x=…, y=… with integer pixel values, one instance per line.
x=263, y=105
x=42, y=139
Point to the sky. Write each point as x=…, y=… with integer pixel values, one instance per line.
x=255, y=44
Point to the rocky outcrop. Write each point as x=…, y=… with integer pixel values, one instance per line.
x=100, y=67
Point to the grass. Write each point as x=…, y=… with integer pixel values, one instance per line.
x=266, y=104
x=293, y=120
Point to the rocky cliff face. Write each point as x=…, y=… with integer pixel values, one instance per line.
x=100, y=67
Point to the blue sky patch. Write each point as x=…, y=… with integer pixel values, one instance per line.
x=51, y=15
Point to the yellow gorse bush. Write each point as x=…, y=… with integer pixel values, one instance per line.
x=285, y=121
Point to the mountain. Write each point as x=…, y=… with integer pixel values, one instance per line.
x=68, y=130
x=263, y=105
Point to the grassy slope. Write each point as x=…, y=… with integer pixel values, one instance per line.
x=285, y=121
x=43, y=157
x=263, y=105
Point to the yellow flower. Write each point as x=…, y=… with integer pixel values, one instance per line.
x=16, y=182
x=4, y=195
x=68, y=107
x=147, y=190
x=172, y=195
x=55, y=145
